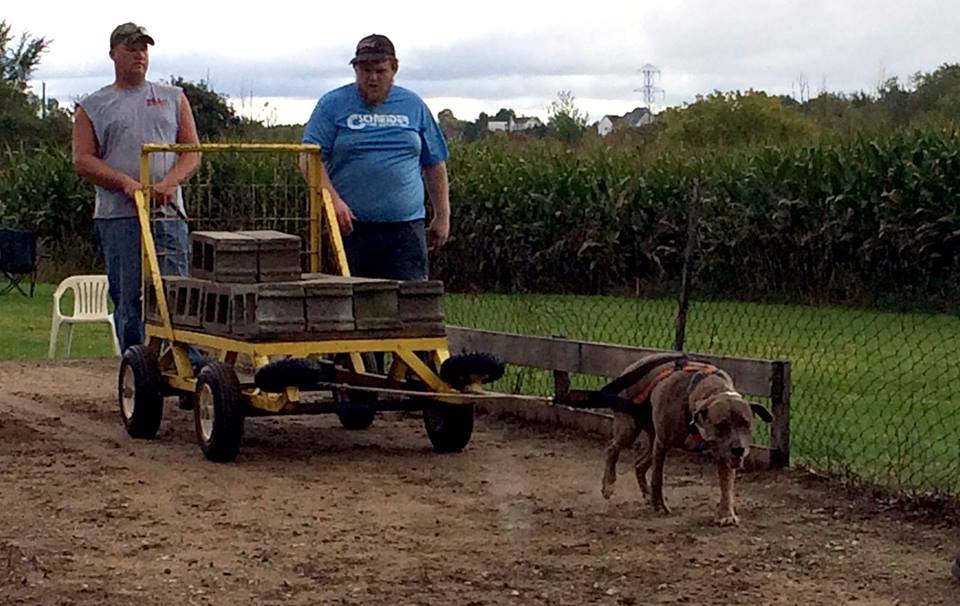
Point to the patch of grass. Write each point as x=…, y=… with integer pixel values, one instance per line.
x=25, y=326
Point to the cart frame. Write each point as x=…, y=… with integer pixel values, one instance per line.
x=169, y=344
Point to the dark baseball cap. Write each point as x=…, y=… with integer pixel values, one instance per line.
x=129, y=33
x=374, y=47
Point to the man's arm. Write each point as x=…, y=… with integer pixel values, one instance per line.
x=438, y=189
x=89, y=166
x=345, y=216
x=187, y=162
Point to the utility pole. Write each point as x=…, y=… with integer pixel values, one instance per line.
x=650, y=91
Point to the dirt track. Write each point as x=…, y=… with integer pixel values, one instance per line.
x=313, y=514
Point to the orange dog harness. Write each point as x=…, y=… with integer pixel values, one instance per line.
x=689, y=367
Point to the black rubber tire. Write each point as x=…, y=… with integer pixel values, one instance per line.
x=357, y=420
x=218, y=393
x=141, y=401
x=359, y=417
x=449, y=426
x=302, y=373
x=465, y=369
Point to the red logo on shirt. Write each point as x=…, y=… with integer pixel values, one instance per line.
x=154, y=102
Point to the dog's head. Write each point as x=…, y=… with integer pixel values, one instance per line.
x=724, y=420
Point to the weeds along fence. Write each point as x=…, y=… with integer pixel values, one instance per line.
x=841, y=257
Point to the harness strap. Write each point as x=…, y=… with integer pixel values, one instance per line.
x=690, y=367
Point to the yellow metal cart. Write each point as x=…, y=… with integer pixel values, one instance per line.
x=328, y=366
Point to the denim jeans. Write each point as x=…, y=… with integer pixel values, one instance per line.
x=120, y=242
x=395, y=251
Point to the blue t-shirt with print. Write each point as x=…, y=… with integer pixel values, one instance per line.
x=374, y=154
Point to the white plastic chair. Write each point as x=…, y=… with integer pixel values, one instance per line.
x=90, y=295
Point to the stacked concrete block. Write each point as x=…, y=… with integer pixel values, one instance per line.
x=223, y=256
x=184, y=301
x=278, y=255
x=421, y=306
x=328, y=305
x=280, y=307
x=151, y=305
x=375, y=302
x=218, y=313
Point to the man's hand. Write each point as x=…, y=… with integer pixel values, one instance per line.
x=345, y=216
x=163, y=191
x=130, y=187
x=438, y=233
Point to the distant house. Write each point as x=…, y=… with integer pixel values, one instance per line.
x=526, y=123
x=608, y=124
x=514, y=125
x=640, y=116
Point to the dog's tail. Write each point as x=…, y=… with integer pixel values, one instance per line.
x=634, y=373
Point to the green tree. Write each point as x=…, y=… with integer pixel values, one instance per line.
x=735, y=118
x=564, y=120
x=215, y=118
x=20, y=109
x=452, y=127
x=17, y=62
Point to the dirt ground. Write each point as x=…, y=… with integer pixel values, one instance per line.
x=313, y=514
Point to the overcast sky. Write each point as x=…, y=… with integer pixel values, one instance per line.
x=274, y=59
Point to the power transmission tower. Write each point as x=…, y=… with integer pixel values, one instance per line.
x=651, y=92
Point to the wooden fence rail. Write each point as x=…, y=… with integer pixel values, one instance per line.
x=753, y=377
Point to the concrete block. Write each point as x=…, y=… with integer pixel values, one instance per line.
x=328, y=305
x=185, y=300
x=375, y=302
x=215, y=317
x=223, y=256
x=421, y=305
x=278, y=255
x=280, y=307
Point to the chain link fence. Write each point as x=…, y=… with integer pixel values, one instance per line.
x=873, y=393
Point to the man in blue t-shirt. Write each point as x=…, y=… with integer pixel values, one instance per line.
x=381, y=146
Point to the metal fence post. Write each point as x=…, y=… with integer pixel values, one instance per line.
x=693, y=220
x=780, y=403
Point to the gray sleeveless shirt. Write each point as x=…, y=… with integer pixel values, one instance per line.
x=123, y=119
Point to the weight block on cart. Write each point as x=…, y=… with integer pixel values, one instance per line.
x=328, y=305
x=280, y=307
x=152, y=306
x=375, y=302
x=184, y=300
x=421, y=305
x=278, y=255
x=224, y=310
x=223, y=256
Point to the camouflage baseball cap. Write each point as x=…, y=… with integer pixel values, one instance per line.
x=129, y=33
x=374, y=47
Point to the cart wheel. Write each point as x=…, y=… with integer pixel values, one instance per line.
x=449, y=427
x=302, y=373
x=218, y=413
x=139, y=393
x=359, y=417
x=463, y=370
x=355, y=420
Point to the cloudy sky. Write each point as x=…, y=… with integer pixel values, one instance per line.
x=273, y=59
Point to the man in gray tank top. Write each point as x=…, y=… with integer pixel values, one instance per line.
x=110, y=126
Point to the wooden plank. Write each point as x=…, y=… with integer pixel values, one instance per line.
x=752, y=376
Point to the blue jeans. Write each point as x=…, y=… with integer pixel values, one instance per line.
x=120, y=242
x=394, y=251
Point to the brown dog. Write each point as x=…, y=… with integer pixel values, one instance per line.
x=672, y=397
